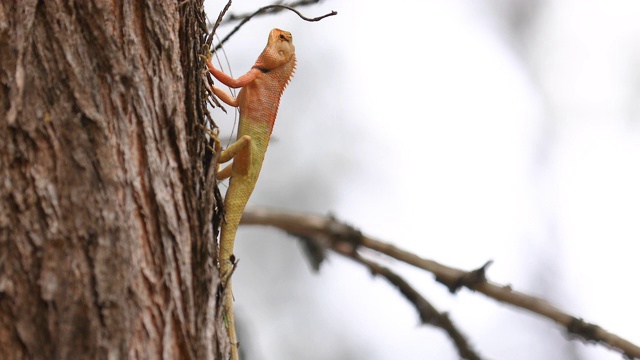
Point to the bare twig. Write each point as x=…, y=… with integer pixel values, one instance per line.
x=428, y=313
x=267, y=8
x=316, y=226
x=316, y=245
x=295, y=4
x=209, y=40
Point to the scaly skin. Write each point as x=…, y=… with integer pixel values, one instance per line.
x=258, y=102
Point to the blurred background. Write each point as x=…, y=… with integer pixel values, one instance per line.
x=462, y=131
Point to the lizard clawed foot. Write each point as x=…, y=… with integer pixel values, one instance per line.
x=227, y=269
x=206, y=58
x=214, y=135
x=217, y=147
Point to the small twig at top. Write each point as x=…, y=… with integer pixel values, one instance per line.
x=295, y=4
x=218, y=21
x=266, y=8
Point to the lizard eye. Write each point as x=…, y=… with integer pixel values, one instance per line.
x=282, y=37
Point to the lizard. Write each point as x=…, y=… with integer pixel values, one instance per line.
x=258, y=103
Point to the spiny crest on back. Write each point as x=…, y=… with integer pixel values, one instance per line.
x=291, y=72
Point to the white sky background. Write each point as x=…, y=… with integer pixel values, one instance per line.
x=462, y=131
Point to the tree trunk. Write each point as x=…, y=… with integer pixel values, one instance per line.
x=108, y=206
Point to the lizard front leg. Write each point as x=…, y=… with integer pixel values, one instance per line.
x=240, y=152
x=226, y=79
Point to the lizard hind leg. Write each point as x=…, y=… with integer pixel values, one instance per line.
x=240, y=152
x=225, y=96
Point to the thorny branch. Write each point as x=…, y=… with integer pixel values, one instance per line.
x=339, y=237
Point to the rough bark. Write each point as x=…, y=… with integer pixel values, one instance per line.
x=107, y=205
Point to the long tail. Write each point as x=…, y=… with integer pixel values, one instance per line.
x=238, y=194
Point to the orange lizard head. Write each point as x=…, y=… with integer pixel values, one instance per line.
x=279, y=50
